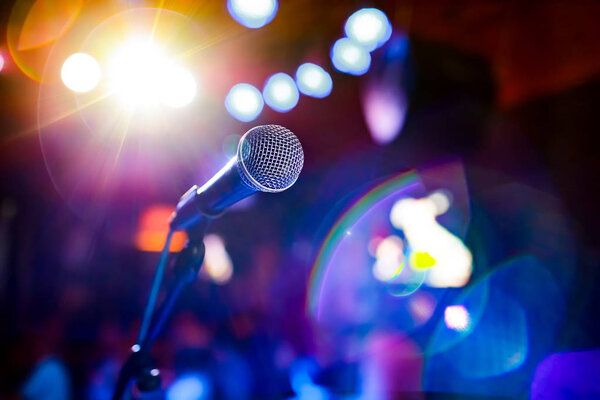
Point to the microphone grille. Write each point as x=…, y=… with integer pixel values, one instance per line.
x=270, y=158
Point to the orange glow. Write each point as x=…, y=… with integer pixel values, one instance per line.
x=46, y=21
x=153, y=228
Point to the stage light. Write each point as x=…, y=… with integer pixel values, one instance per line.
x=313, y=80
x=280, y=92
x=217, y=263
x=433, y=248
x=252, y=13
x=369, y=27
x=189, y=387
x=385, y=108
x=153, y=227
x=81, y=72
x=244, y=102
x=390, y=258
x=179, y=87
x=350, y=57
x=138, y=73
x=1, y=62
x=457, y=318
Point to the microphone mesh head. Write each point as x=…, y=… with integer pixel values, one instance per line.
x=270, y=158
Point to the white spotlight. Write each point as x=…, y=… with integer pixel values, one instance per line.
x=138, y=72
x=369, y=27
x=349, y=57
x=252, y=13
x=180, y=87
x=81, y=72
x=244, y=102
x=313, y=80
x=281, y=93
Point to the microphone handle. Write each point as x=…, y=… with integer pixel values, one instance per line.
x=210, y=200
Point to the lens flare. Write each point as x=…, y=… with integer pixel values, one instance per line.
x=137, y=73
x=179, y=87
x=81, y=72
x=252, y=13
x=244, y=102
x=350, y=57
x=314, y=81
x=388, y=190
x=369, y=27
x=280, y=92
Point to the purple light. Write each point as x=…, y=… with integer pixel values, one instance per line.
x=384, y=108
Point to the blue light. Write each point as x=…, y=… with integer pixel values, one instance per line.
x=252, y=13
x=313, y=80
x=368, y=27
x=349, y=57
x=281, y=93
x=244, y=102
x=189, y=387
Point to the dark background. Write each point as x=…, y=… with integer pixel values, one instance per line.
x=508, y=88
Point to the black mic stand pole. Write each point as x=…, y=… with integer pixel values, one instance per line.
x=139, y=365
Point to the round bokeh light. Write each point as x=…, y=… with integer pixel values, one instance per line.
x=81, y=72
x=368, y=27
x=252, y=13
x=244, y=102
x=281, y=93
x=314, y=81
x=350, y=57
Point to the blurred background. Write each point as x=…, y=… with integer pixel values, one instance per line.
x=440, y=242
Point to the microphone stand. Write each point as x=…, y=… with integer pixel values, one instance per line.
x=139, y=365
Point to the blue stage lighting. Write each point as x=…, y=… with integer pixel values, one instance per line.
x=369, y=27
x=244, y=102
x=189, y=387
x=252, y=13
x=313, y=80
x=281, y=93
x=350, y=57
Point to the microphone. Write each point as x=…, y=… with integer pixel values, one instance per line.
x=269, y=158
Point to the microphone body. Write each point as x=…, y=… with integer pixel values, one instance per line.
x=269, y=158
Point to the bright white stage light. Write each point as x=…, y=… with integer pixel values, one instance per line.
x=244, y=102
x=349, y=57
x=81, y=72
x=368, y=27
x=281, y=93
x=180, y=88
x=136, y=72
x=457, y=318
x=142, y=75
x=314, y=81
x=252, y=13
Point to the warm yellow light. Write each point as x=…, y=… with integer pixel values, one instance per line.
x=217, y=263
x=81, y=72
